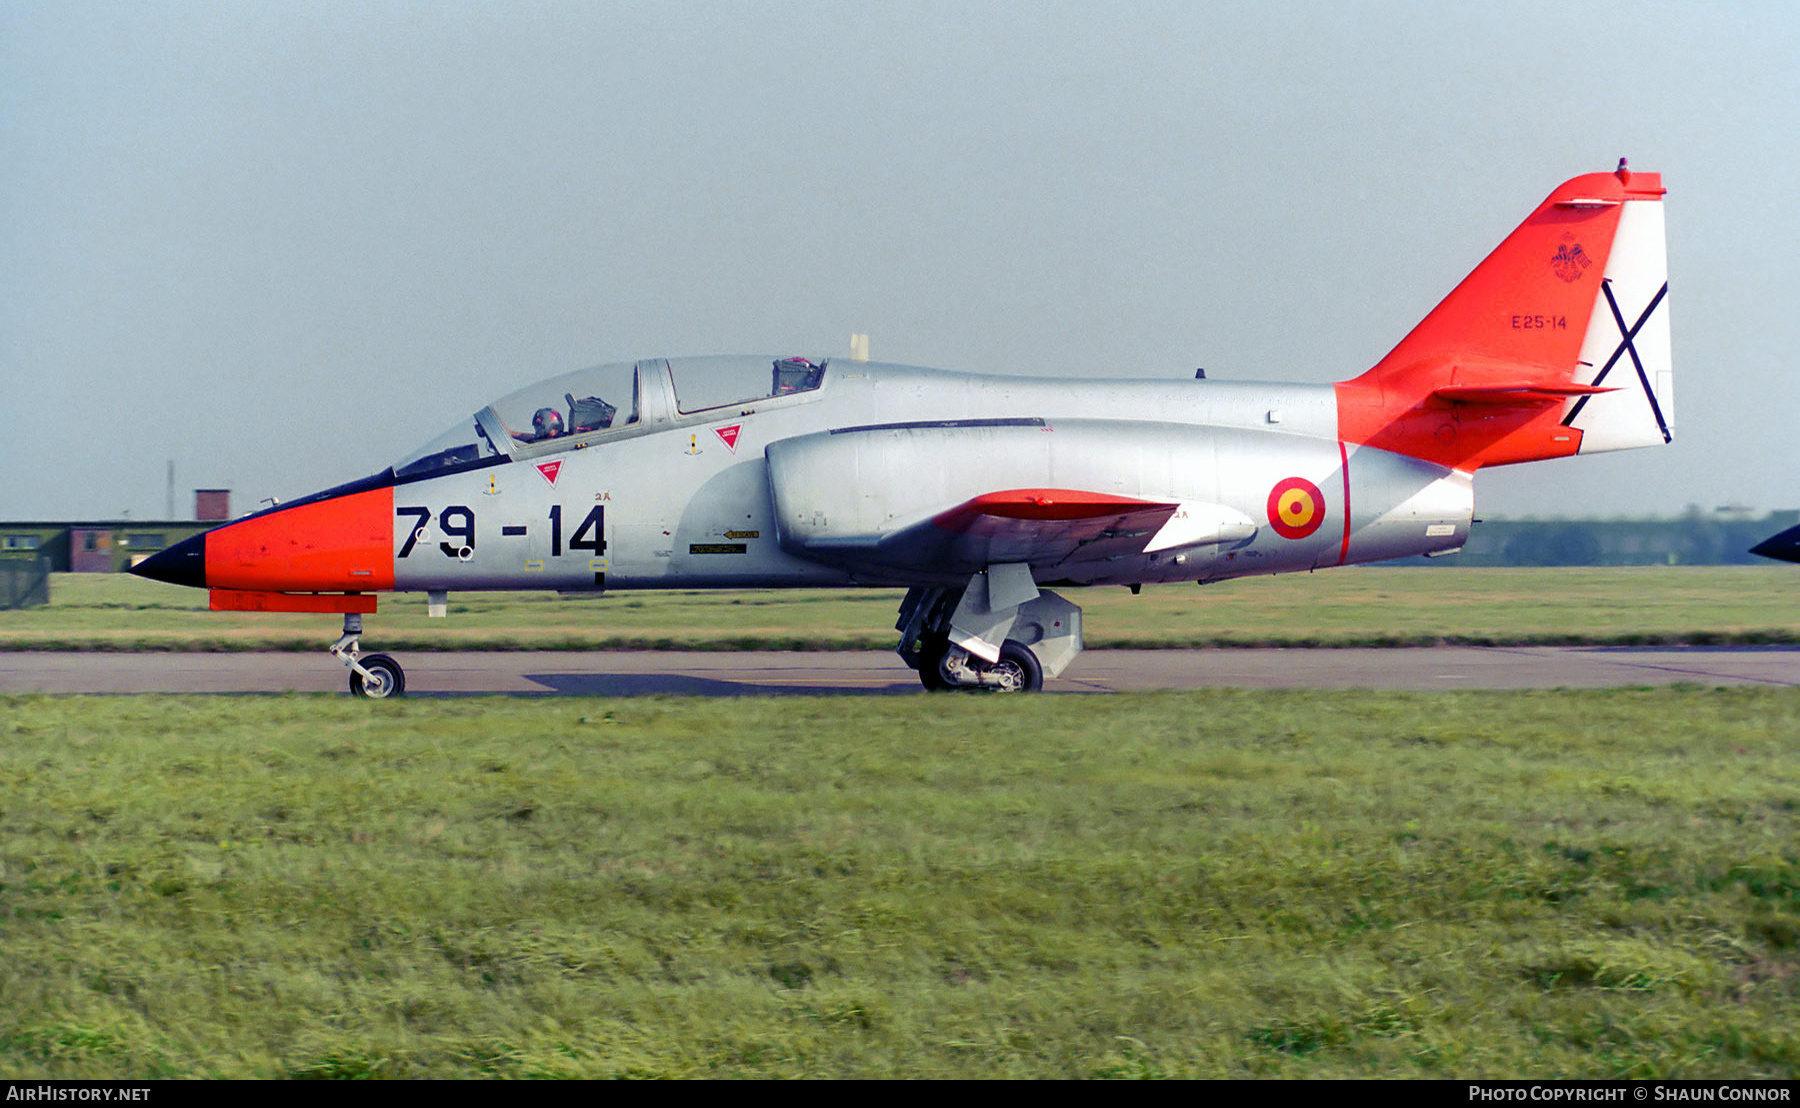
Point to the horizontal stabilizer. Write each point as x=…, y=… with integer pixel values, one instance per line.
x=1515, y=395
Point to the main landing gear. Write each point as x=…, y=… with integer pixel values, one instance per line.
x=944, y=667
x=376, y=676
x=998, y=633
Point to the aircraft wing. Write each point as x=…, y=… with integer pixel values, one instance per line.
x=1047, y=528
x=1039, y=526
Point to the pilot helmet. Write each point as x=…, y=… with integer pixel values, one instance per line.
x=547, y=421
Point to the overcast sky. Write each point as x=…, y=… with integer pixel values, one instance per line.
x=282, y=244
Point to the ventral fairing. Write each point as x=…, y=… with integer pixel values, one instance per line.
x=977, y=494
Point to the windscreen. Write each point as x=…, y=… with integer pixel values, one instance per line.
x=579, y=404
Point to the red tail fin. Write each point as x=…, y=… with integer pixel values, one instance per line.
x=1496, y=372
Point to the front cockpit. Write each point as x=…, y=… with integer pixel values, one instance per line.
x=610, y=401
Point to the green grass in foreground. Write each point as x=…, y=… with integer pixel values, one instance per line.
x=1375, y=606
x=1216, y=884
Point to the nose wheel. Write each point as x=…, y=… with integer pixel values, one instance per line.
x=375, y=676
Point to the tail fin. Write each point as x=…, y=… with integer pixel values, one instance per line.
x=1558, y=343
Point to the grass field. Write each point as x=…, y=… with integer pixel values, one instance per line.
x=1349, y=607
x=1215, y=884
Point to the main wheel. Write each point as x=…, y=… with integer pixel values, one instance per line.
x=386, y=678
x=931, y=663
x=1018, y=669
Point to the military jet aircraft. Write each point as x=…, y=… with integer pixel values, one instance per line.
x=977, y=493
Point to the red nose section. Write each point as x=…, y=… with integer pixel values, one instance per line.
x=343, y=544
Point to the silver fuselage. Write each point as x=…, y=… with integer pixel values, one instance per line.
x=800, y=489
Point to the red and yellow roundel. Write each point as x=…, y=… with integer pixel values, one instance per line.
x=1296, y=508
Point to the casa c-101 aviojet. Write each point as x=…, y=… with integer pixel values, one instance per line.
x=977, y=494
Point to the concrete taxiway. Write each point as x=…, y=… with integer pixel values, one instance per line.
x=641, y=673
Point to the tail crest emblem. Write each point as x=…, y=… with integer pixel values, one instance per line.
x=1570, y=262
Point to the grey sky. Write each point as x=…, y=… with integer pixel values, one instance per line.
x=283, y=244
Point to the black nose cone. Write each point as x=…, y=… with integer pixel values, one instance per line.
x=1785, y=546
x=181, y=564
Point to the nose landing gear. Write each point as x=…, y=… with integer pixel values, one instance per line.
x=376, y=676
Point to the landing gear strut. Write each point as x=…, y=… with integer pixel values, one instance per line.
x=997, y=634
x=376, y=676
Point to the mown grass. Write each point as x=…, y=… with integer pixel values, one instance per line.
x=1214, y=884
x=1701, y=605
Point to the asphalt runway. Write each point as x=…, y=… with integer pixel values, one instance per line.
x=646, y=673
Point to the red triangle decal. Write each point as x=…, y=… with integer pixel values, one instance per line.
x=729, y=435
x=550, y=470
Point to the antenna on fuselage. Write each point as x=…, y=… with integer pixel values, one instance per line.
x=859, y=348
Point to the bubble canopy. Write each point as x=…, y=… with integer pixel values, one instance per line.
x=607, y=401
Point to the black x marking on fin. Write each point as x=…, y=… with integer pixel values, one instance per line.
x=1627, y=340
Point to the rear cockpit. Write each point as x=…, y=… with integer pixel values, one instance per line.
x=611, y=401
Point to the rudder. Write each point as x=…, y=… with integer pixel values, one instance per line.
x=1627, y=343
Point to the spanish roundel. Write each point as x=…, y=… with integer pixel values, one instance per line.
x=1296, y=508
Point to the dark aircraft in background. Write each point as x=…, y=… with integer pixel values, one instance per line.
x=1783, y=547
